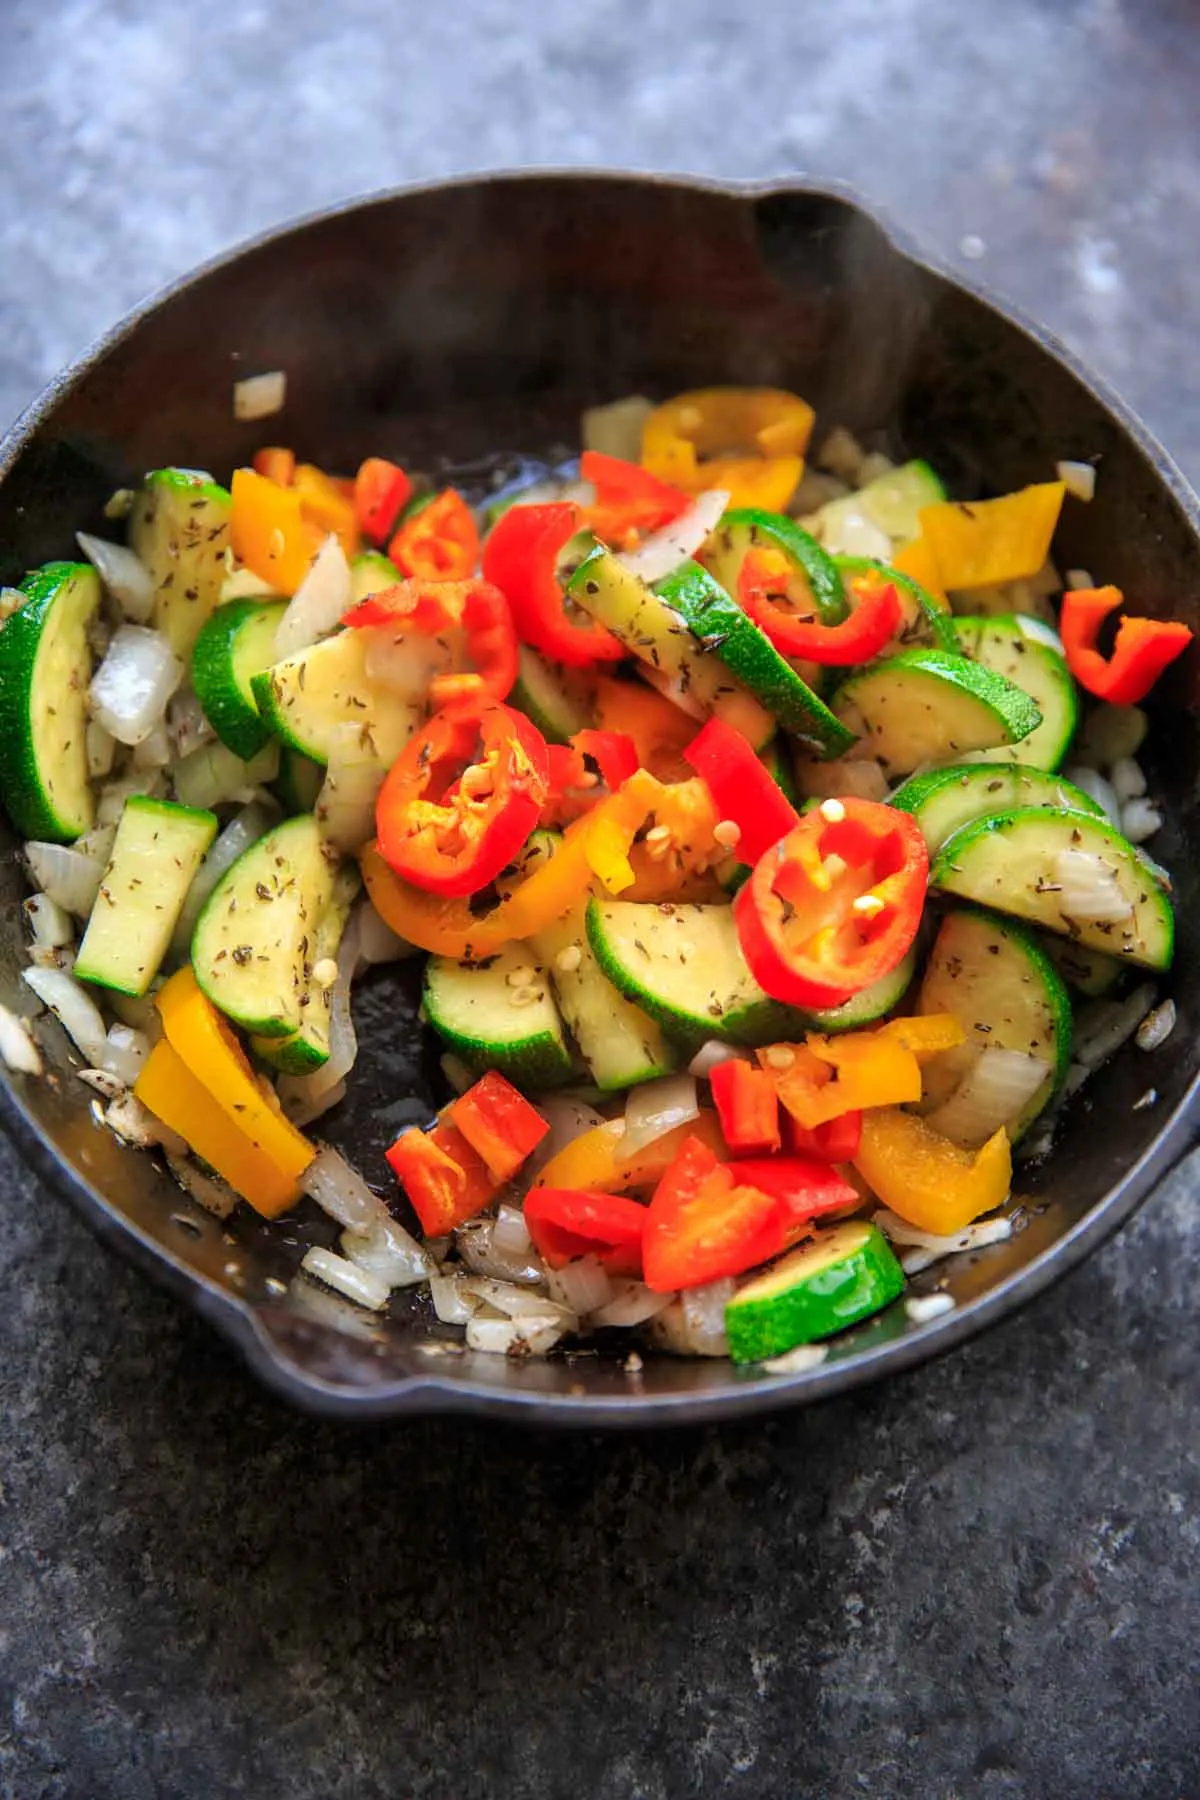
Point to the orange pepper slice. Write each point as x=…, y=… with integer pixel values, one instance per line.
x=926, y=1179
x=269, y=532
x=752, y=442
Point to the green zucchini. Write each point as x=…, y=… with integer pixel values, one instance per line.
x=153, y=860
x=550, y=697
x=1011, y=861
x=814, y=587
x=944, y=800
x=931, y=706
x=236, y=644
x=620, y=1043
x=869, y=1004
x=179, y=527
x=841, y=1275
x=778, y=760
x=45, y=667
x=1007, y=647
x=499, y=1014
x=1089, y=972
x=307, y=1048
x=307, y=696
x=299, y=780
x=371, y=573
x=887, y=508
x=927, y=620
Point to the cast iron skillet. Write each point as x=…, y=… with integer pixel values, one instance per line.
x=443, y=324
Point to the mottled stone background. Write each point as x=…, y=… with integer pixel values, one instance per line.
x=978, y=1581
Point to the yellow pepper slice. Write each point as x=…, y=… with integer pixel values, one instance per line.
x=269, y=532
x=748, y=440
x=927, y=1035
x=325, y=505
x=917, y=561
x=926, y=1179
x=983, y=542
x=831, y=1076
x=594, y=1163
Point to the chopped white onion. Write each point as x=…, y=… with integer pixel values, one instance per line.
x=101, y=749
x=616, y=429
x=243, y=584
x=927, y=1247
x=582, y=1286
x=711, y=1054
x=657, y=1107
x=125, y=1054
x=513, y=1337
x=345, y=806
x=18, y=1051
x=259, y=396
x=993, y=1092
x=186, y=723
x=154, y=751
x=1090, y=889
x=847, y=778
x=1140, y=820
x=302, y=1109
x=377, y=942
x=70, y=879
x=517, y=1302
x=103, y=1082
x=405, y=664
x=704, y=1314
x=567, y=1119
x=669, y=1330
x=136, y=1124
x=130, y=689
x=1156, y=1027
x=1039, y=632
x=209, y=1191
x=1079, y=478
x=1128, y=779
x=1103, y=1026
x=452, y=1303
x=664, y=550
x=111, y=805
x=856, y=535
x=1112, y=732
x=632, y=1304
x=1079, y=580
x=11, y=601
x=389, y=1252
x=456, y=1072
x=124, y=575
x=798, y=1360
x=50, y=923
x=74, y=1009
x=139, y=1012
x=842, y=455
x=212, y=775
x=923, y=1307
x=244, y=829
x=341, y=1192
x=510, y=1233
x=346, y=1278
x=478, y=1249
x=318, y=603
x=1096, y=788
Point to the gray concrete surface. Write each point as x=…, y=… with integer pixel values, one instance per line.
x=979, y=1580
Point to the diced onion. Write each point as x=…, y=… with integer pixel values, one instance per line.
x=582, y=1286
x=318, y=603
x=657, y=1107
x=103, y=1082
x=513, y=1337
x=993, y=1092
x=797, y=1361
x=632, y=1304
x=259, y=396
x=50, y=923
x=567, y=1119
x=704, y=1315
x=101, y=749
x=1079, y=580
x=405, y=664
x=345, y=806
x=74, y=1009
x=303, y=1108
x=1079, y=478
x=842, y=454
x=1039, y=632
x=510, y=1234
x=378, y=943
x=209, y=1191
x=213, y=775
x=125, y=1053
x=925, y=1248
x=616, y=429
x=519, y=1302
x=186, y=722
x=341, y=1192
x=70, y=879
x=1096, y=788
x=664, y=550
x=1128, y=779
x=346, y=1278
x=111, y=805
x=243, y=584
x=136, y=1124
x=456, y=1072
x=923, y=1307
x=389, y=1252
x=452, y=1303
x=130, y=689
x=244, y=829
x=1103, y=1026
x=305, y=1097
x=154, y=751
x=711, y=1054
x=478, y=1249
x=1089, y=888
x=1140, y=820
x=18, y=1051
x=669, y=1330
x=1156, y=1027
x=124, y=575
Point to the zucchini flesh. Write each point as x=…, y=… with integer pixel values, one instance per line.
x=155, y=855
x=927, y=620
x=179, y=527
x=931, y=706
x=236, y=644
x=545, y=694
x=1003, y=645
x=814, y=586
x=620, y=1044
x=308, y=1048
x=841, y=1275
x=887, y=510
x=45, y=666
x=306, y=697
x=499, y=1014
x=944, y=800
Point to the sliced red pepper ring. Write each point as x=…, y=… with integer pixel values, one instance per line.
x=874, y=622
x=521, y=556
x=1141, y=650
x=476, y=608
x=747, y=1105
x=630, y=501
x=585, y=771
x=836, y=904
x=461, y=799
x=703, y=1224
x=440, y=542
x=809, y=1187
x=499, y=1124
x=566, y=1223
x=446, y=1181
x=742, y=789
x=381, y=490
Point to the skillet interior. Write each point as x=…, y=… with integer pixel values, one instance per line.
x=446, y=324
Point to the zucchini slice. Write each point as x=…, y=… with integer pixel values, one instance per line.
x=255, y=935
x=931, y=706
x=719, y=623
x=869, y=1004
x=307, y=696
x=499, y=1014
x=1087, y=971
x=307, y=1049
x=155, y=855
x=1012, y=862
x=927, y=620
x=299, y=780
x=620, y=1043
x=45, y=667
x=887, y=508
x=944, y=800
x=1005, y=646
x=996, y=979
x=654, y=631
x=370, y=573
x=236, y=644
x=814, y=585
x=547, y=695
x=843, y=1274
x=179, y=526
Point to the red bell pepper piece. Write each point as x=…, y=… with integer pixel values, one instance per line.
x=703, y=1224
x=630, y=501
x=381, y=489
x=276, y=463
x=808, y=1188
x=476, y=608
x=444, y=1178
x=742, y=789
x=565, y=1223
x=499, y=1124
x=874, y=622
x=441, y=542
x=585, y=771
x=747, y=1105
x=461, y=799
x=521, y=557
x=835, y=1141
x=835, y=905
x=1141, y=650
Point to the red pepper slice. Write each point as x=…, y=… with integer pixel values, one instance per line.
x=836, y=1141
x=498, y=1123
x=446, y=1181
x=381, y=488
x=582, y=773
x=807, y=1187
x=742, y=789
x=1141, y=650
x=461, y=799
x=703, y=1224
x=877, y=616
x=477, y=608
x=521, y=557
x=747, y=1105
x=835, y=905
x=565, y=1223
x=630, y=501
x=441, y=542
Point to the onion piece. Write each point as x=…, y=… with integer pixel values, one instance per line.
x=657, y=1107
x=305, y=1097
x=186, y=724
x=1104, y=1025
x=993, y=1092
x=664, y=550
x=1140, y=820
x=1079, y=478
x=513, y=1337
x=244, y=829
x=582, y=1286
x=456, y=1072
x=209, y=1191
x=130, y=689
x=1096, y=788
x=1156, y=1027
x=669, y=1330
x=389, y=1252
x=341, y=1192
x=478, y=1249
x=1089, y=888
x=510, y=1233
x=136, y=1124
x=213, y=775
x=302, y=1109
x=125, y=1053
x=50, y=923
x=616, y=428
x=1128, y=779
x=452, y=1304
x=18, y=1052
x=68, y=878
x=346, y=1278
x=125, y=576
x=74, y=1009
x=632, y=1304
x=711, y=1054
x=345, y=806
x=260, y=396
x=567, y=1119
x=318, y=603
x=154, y=751
x=111, y=805
x=518, y=1302
x=926, y=1247
x=704, y=1315
x=101, y=749
x=923, y=1307
x=1039, y=632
